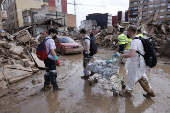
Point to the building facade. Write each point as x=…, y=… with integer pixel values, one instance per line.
x=14, y=10
x=61, y=5
x=103, y=20
x=142, y=9
x=88, y=24
x=34, y=17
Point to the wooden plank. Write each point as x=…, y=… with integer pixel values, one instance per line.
x=1, y=76
x=3, y=84
x=14, y=73
x=21, y=31
x=18, y=67
x=13, y=80
x=39, y=63
x=3, y=92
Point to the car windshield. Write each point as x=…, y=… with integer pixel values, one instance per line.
x=66, y=40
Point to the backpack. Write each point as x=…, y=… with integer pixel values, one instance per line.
x=93, y=47
x=150, y=53
x=41, y=50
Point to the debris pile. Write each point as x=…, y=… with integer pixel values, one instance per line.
x=17, y=57
x=107, y=38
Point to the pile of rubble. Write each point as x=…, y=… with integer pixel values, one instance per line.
x=18, y=57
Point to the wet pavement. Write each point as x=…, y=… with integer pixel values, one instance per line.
x=77, y=96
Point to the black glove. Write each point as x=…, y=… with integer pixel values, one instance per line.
x=87, y=55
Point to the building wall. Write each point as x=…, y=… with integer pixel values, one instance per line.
x=61, y=5
x=58, y=5
x=22, y=5
x=109, y=23
x=44, y=13
x=88, y=24
x=119, y=14
x=70, y=20
x=51, y=3
x=114, y=20
x=126, y=16
x=102, y=19
x=64, y=6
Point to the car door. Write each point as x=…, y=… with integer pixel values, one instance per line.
x=57, y=44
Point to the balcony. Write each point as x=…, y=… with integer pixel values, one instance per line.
x=133, y=15
x=132, y=21
x=132, y=10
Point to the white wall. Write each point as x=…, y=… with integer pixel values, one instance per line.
x=109, y=23
x=58, y=5
x=41, y=29
x=123, y=16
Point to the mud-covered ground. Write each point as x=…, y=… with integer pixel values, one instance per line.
x=77, y=96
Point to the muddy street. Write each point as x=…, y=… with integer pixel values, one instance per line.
x=77, y=96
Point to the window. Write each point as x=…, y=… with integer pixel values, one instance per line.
x=144, y=12
x=162, y=10
x=163, y=4
x=140, y=1
x=156, y=11
x=168, y=9
x=145, y=1
x=140, y=18
x=156, y=5
x=25, y=19
x=150, y=11
x=139, y=12
x=161, y=16
x=135, y=8
x=144, y=17
x=167, y=15
x=151, y=1
x=134, y=3
x=163, y=0
x=150, y=6
x=134, y=13
x=140, y=7
x=145, y=6
x=168, y=3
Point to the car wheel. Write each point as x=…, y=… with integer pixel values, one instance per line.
x=62, y=51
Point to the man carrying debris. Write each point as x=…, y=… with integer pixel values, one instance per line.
x=139, y=33
x=50, y=62
x=86, y=53
x=121, y=39
x=136, y=66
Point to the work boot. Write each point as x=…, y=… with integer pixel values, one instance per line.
x=125, y=94
x=148, y=95
x=85, y=77
x=56, y=88
x=45, y=88
x=92, y=73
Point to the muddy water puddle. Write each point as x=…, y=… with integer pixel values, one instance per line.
x=78, y=97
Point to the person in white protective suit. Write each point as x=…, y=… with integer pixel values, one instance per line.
x=136, y=66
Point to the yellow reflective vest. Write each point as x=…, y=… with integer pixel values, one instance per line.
x=128, y=42
x=122, y=39
x=140, y=35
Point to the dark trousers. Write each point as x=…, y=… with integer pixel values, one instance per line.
x=51, y=73
x=121, y=48
x=86, y=59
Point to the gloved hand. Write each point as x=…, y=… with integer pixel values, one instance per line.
x=58, y=63
x=116, y=54
x=88, y=56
